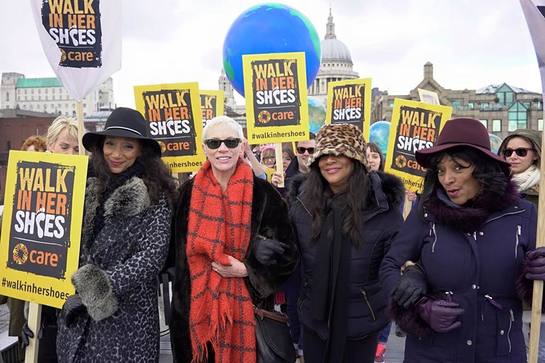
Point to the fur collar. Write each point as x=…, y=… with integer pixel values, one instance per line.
x=381, y=183
x=128, y=200
x=470, y=218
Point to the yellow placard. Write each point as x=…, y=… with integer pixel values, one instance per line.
x=212, y=102
x=41, y=226
x=174, y=113
x=275, y=86
x=414, y=126
x=349, y=102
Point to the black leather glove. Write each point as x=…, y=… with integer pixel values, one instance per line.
x=266, y=250
x=410, y=288
x=26, y=335
x=72, y=309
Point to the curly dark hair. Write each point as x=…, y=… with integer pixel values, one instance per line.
x=156, y=174
x=316, y=192
x=492, y=176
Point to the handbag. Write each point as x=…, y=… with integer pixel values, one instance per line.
x=273, y=339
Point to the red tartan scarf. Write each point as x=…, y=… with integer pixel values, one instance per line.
x=221, y=310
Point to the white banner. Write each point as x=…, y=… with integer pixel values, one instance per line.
x=534, y=12
x=81, y=39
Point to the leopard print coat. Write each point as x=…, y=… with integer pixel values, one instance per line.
x=117, y=279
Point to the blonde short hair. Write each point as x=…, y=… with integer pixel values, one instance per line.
x=59, y=124
x=222, y=120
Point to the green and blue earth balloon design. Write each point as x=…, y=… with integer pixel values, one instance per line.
x=269, y=28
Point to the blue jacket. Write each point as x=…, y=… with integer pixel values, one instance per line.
x=479, y=271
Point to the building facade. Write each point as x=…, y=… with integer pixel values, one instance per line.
x=48, y=95
x=502, y=108
x=16, y=126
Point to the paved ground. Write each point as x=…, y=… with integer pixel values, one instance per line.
x=394, y=351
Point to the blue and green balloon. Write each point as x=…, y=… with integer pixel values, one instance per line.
x=269, y=28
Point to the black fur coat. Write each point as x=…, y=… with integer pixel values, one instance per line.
x=269, y=219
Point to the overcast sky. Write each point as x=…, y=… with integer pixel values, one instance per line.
x=472, y=43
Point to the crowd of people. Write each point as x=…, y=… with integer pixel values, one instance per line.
x=324, y=241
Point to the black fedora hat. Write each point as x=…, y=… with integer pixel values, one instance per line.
x=123, y=122
x=461, y=132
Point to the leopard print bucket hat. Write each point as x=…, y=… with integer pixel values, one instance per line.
x=340, y=139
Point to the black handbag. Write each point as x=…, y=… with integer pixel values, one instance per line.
x=273, y=339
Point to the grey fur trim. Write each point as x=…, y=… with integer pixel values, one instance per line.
x=91, y=206
x=94, y=287
x=128, y=200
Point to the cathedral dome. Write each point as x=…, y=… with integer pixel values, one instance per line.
x=335, y=50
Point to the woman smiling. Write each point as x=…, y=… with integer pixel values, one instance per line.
x=473, y=241
x=345, y=218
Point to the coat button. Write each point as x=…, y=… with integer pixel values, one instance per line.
x=502, y=332
x=474, y=287
x=481, y=233
x=469, y=342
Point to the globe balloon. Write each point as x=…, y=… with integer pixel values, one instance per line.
x=316, y=113
x=495, y=142
x=269, y=28
x=379, y=133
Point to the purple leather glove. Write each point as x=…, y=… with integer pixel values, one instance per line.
x=441, y=315
x=535, y=264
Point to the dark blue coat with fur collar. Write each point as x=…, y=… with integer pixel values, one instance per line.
x=366, y=307
x=477, y=266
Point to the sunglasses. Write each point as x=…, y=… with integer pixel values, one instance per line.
x=521, y=151
x=215, y=143
x=301, y=150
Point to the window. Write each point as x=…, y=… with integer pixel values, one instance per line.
x=485, y=123
x=470, y=105
x=505, y=95
x=540, y=124
x=484, y=106
x=7, y=96
x=518, y=117
x=496, y=125
x=456, y=104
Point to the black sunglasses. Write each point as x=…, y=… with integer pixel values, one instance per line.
x=215, y=143
x=301, y=150
x=520, y=151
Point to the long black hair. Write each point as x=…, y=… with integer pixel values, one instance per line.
x=316, y=192
x=155, y=174
x=492, y=176
x=375, y=149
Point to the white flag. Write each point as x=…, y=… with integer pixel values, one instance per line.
x=534, y=12
x=81, y=39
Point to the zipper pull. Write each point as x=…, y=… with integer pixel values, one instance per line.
x=493, y=302
x=519, y=231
